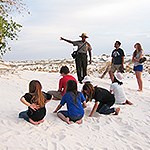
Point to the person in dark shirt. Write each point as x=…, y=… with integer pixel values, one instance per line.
x=35, y=100
x=117, y=63
x=103, y=100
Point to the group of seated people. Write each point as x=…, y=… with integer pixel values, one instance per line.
x=76, y=101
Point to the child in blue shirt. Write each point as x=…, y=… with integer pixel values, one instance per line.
x=74, y=101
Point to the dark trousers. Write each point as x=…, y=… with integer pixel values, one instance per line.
x=104, y=108
x=81, y=66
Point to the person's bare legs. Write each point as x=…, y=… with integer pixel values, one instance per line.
x=62, y=117
x=33, y=122
x=79, y=121
x=139, y=80
x=104, y=73
x=55, y=98
x=111, y=75
x=68, y=120
x=56, y=95
x=128, y=102
x=117, y=111
x=41, y=121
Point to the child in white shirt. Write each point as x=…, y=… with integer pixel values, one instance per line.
x=118, y=91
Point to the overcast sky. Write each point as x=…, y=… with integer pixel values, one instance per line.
x=104, y=21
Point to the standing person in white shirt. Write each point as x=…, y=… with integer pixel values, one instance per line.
x=118, y=91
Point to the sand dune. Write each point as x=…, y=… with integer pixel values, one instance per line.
x=129, y=130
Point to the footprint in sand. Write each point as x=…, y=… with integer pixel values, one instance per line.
x=59, y=137
x=95, y=128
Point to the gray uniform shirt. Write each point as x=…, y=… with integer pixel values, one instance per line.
x=86, y=47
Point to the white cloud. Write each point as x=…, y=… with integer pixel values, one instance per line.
x=103, y=20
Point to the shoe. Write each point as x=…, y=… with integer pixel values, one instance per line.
x=80, y=82
x=128, y=102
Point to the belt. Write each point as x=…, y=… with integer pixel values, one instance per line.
x=82, y=53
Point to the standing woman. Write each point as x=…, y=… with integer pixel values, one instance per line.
x=138, y=67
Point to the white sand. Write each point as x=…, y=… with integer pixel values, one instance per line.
x=130, y=130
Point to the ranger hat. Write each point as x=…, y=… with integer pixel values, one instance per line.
x=83, y=35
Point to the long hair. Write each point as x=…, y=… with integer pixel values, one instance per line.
x=89, y=87
x=138, y=48
x=72, y=87
x=35, y=88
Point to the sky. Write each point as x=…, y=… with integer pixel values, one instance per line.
x=104, y=21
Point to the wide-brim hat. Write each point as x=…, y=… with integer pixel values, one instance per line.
x=86, y=79
x=118, y=76
x=83, y=35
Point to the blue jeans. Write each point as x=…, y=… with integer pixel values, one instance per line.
x=105, y=109
x=24, y=115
